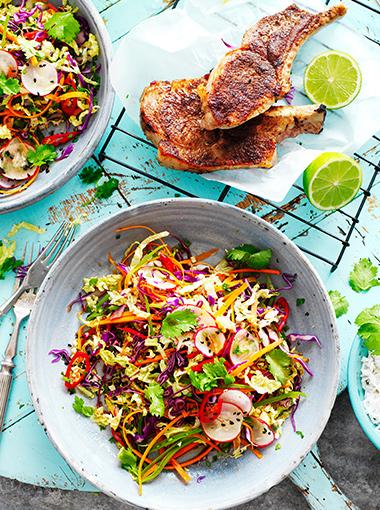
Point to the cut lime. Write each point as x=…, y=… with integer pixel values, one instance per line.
x=332, y=180
x=332, y=78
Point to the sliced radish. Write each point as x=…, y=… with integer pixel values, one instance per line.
x=272, y=335
x=227, y=426
x=237, y=398
x=263, y=435
x=13, y=160
x=40, y=79
x=204, y=318
x=8, y=64
x=209, y=341
x=157, y=278
x=243, y=346
x=6, y=184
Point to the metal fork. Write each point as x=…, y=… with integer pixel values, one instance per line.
x=22, y=309
x=39, y=268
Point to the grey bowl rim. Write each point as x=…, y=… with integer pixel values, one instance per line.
x=104, y=115
x=334, y=336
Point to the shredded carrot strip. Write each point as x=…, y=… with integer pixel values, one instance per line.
x=182, y=473
x=8, y=35
x=128, y=317
x=265, y=271
x=239, y=369
x=22, y=115
x=230, y=298
x=200, y=257
x=152, y=443
x=152, y=360
x=198, y=457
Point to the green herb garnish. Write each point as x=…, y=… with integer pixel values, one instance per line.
x=369, y=328
x=178, y=322
x=339, y=302
x=62, y=26
x=363, y=276
x=42, y=154
x=250, y=256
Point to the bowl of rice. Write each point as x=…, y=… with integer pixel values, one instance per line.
x=364, y=389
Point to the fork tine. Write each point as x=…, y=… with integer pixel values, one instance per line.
x=54, y=240
x=17, y=282
x=65, y=242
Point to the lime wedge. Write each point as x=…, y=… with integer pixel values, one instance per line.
x=332, y=78
x=332, y=180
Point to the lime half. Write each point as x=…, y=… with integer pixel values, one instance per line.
x=332, y=78
x=332, y=180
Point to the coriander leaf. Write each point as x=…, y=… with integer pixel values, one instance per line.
x=9, y=264
x=211, y=375
x=300, y=433
x=79, y=407
x=155, y=394
x=300, y=301
x=178, y=322
x=363, y=276
x=369, y=328
x=91, y=174
x=279, y=365
x=106, y=189
x=250, y=256
x=9, y=86
x=42, y=154
x=62, y=26
x=278, y=446
x=128, y=461
x=339, y=302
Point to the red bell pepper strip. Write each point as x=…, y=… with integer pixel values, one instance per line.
x=134, y=332
x=36, y=35
x=117, y=437
x=60, y=138
x=167, y=263
x=283, y=306
x=78, y=357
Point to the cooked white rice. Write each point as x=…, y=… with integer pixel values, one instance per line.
x=371, y=384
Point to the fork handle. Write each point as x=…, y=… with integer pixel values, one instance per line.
x=5, y=307
x=5, y=386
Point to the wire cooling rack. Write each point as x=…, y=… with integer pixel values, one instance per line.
x=333, y=229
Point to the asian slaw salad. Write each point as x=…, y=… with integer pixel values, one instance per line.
x=181, y=358
x=48, y=83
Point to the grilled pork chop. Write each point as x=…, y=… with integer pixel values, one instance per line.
x=249, y=79
x=171, y=117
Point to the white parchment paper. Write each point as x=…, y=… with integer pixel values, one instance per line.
x=187, y=42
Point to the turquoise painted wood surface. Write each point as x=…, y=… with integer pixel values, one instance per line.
x=25, y=452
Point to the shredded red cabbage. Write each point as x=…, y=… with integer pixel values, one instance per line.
x=296, y=337
x=289, y=279
x=66, y=152
x=59, y=354
x=290, y=95
x=228, y=44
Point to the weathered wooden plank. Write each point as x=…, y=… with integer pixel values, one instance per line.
x=319, y=489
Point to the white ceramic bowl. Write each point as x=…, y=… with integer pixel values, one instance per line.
x=62, y=171
x=207, y=224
